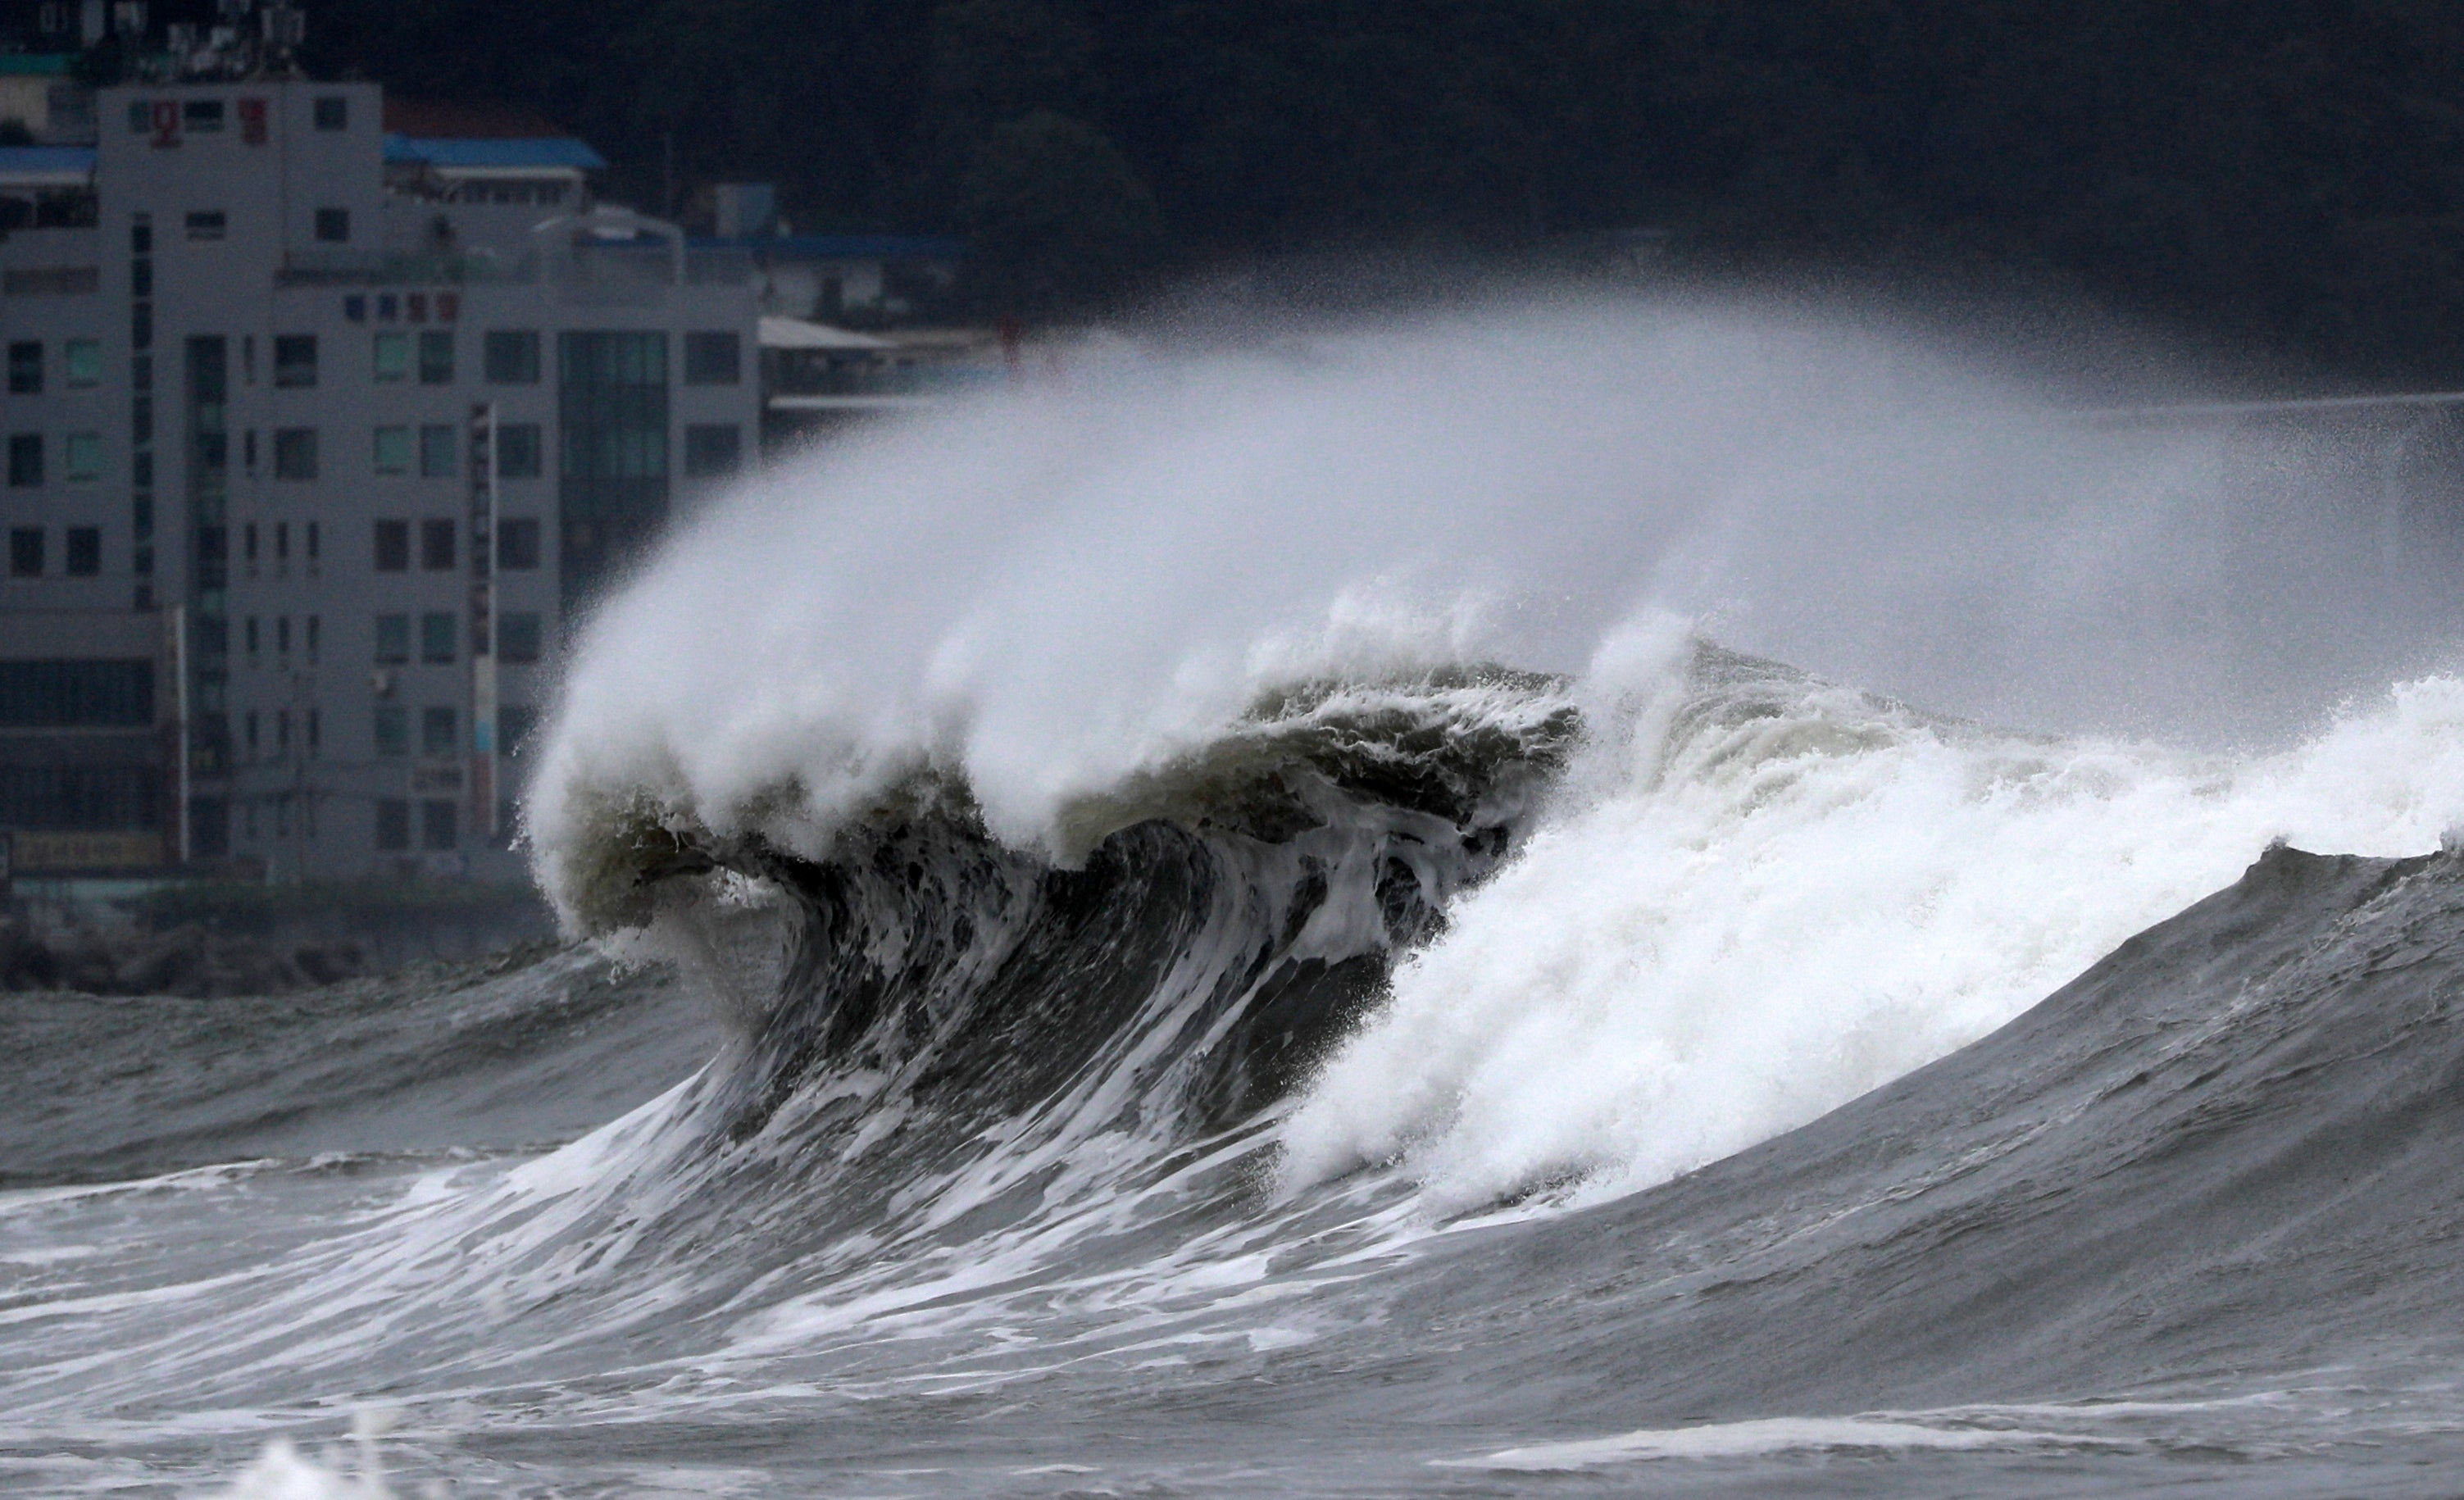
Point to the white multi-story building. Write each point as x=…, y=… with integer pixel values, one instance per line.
x=298, y=415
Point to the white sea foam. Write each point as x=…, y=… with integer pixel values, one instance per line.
x=1737, y=925
x=1753, y=1439
x=1721, y=932
x=1048, y=591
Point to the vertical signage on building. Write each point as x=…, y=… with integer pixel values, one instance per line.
x=166, y=121
x=252, y=122
x=483, y=643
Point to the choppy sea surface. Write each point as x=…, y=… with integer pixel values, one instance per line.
x=1310, y=988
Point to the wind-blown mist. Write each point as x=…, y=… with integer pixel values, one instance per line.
x=1721, y=930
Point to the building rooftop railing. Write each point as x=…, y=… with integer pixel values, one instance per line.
x=404, y=267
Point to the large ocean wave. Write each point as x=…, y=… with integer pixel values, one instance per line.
x=1419, y=897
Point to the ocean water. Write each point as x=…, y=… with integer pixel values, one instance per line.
x=1580, y=898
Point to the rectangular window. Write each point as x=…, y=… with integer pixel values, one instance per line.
x=393, y=356
x=393, y=546
x=81, y=362
x=517, y=637
x=436, y=451
x=140, y=418
x=140, y=278
x=394, y=729
x=393, y=824
x=82, y=457
x=334, y=225
x=315, y=634
x=436, y=818
x=333, y=112
x=436, y=546
x=24, y=460
x=25, y=366
x=81, y=694
x=249, y=633
x=25, y=552
x=612, y=484
x=393, y=449
x=517, y=450
x=514, y=722
x=295, y=359
x=141, y=234
x=436, y=358
x=517, y=545
x=202, y=116
x=209, y=224
x=511, y=356
x=711, y=450
x=711, y=359
x=295, y=452
x=282, y=635
x=83, y=551
x=314, y=538
x=440, y=732
x=393, y=640
x=436, y=637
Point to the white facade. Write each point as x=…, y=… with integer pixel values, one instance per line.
x=262, y=467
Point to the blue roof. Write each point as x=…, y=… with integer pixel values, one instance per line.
x=465, y=151
x=843, y=246
x=46, y=159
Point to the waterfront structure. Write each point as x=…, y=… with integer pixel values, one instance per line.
x=320, y=441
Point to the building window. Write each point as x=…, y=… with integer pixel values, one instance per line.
x=517, y=637
x=316, y=539
x=82, y=457
x=436, y=451
x=24, y=460
x=440, y=732
x=294, y=359
x=334, y=225
x=514, y=722
x=436, y=546
x=436, y=637
x=315, y=634
x=711, y=449
x=611, y=453
x=517, y=450
x=25, y=368
x=437, y=822
x=394, y=729
x=333, y=112
x=517, y=545
x=140, y=278
x=83, y=551
x=295, y=452
x=26, y=552
x=393, y=449
x=711, y=359
x=393, y=640
x=207, y=225
x=436, y=358
x=202, y=116
x=511, y=356
x=248, y=632
x=393, y=824
x=87, y=692
x=81, y=362
x=393, y=546
x=393, y=356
